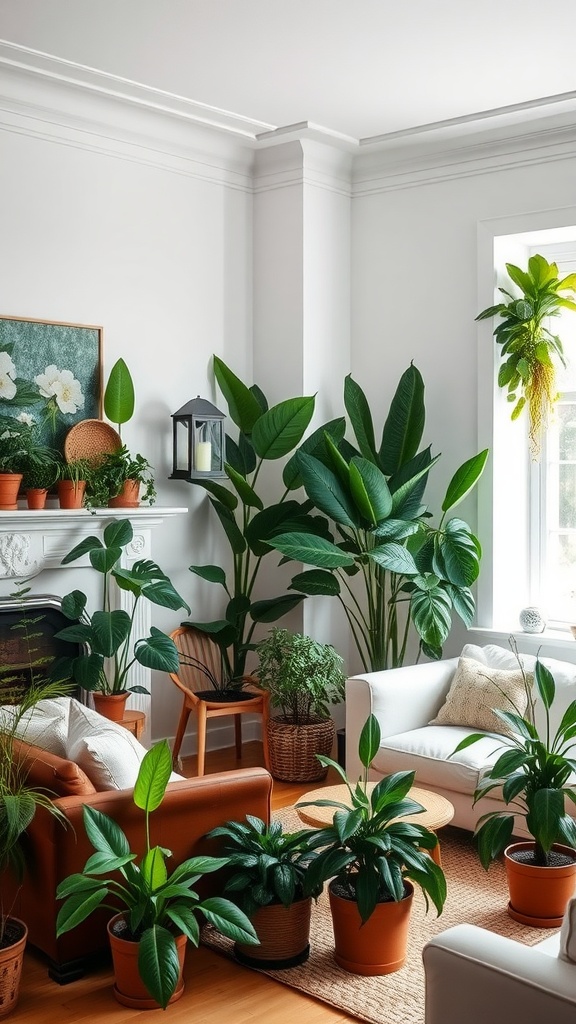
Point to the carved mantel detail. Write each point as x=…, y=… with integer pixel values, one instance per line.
x=15, y=557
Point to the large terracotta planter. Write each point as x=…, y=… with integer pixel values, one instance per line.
x=110, y=705
x=376, y=947
x=9, y=487
x=539, y=895
x=129, y=496
x=71, y=493
x=293, y=748
x=284, y=934
x=11, y=957
x=129, y=989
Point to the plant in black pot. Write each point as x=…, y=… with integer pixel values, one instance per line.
x=156, y=912
x=373, y=856
x=535, y=772
x=303, y=678
x=268, y=885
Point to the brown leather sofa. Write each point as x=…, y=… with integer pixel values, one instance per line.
x=191, y=807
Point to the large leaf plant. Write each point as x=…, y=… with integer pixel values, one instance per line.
x=265, y=435
x=530, y=352
x=410, y=572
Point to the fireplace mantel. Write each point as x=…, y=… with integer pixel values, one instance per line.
x=33, y=544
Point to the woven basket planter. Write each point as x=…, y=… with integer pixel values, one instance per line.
x=284, y=934
x=293, y=749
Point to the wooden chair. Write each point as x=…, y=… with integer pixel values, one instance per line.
x=209, y=703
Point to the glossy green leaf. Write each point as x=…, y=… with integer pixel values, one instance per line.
x=430, y=610
x=395, y=558
x=109, y=631
x=247, y=494
x=404, y=424
x=464, y=480
x=210, y=573
x=311, y=550
x=274, y=608
x=315, y=444
x=157, y=651
x=119, y=394
x=326, y=491
x=316, y=581
x=358, y=410
x=83, y=548
x=231, y=528
x=279, y=430
x=222, y=494
x=153, y=775
x=369, y=490
x=158, y=963
x=118, y=533
x=369, y=742
x=243, y=406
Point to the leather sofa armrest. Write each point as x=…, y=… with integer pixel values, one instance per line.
x=476, y=976
x=401, y=698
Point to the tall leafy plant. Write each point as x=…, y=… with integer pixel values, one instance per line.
x=382, y=537
x=265, y=434
x=119, y=395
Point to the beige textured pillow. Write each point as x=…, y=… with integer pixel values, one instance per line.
x=475, y=690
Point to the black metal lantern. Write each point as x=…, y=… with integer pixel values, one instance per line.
x=198, y=441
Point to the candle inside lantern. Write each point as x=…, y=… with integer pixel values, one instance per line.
x=203, y=453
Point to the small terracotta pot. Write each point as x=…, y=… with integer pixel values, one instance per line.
x=129, y=989
x=379, y=945
x=71, y=494
x=9, y=487
x=284, y=934
x=539, y=895
x=129, y=496
x=11, y=958
x=36, y=497
x=110, y=705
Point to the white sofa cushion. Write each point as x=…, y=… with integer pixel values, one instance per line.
x=108, y=754
x=476, y=690
x=426, y=751
x=567, y=950
x=45, y=725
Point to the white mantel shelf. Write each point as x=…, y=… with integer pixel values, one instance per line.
x=35, y=519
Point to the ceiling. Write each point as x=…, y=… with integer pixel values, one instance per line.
x=361, y=68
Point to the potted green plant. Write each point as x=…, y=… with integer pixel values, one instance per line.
x=40, y=471
x=372, y=857
x=107, y=632
x=530, y=352
x=117, y=479
x=303, y=677
x=267, y=883
x=155, y=912
x=534, y=772
x=20, y=449
x=409, y=572
x=72, y=479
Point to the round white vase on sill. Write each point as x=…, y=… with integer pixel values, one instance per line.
x=532, y=620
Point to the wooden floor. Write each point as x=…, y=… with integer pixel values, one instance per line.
x=217, y=989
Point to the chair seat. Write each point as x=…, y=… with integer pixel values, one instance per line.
x=225, y=696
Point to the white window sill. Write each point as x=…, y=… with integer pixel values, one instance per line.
x=551, y=643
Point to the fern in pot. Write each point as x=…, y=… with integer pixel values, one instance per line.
x=303, y=678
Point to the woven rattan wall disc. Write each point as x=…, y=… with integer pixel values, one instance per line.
x=91, y=439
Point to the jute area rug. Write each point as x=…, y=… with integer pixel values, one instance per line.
x=474, y=896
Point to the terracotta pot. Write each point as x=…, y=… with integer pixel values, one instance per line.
x=284, y=934
x=111, y=705
x=36, y=497
x=129, y=989
x=9, y=487
x=129, y=496
x=379, y=945
x=293, y=749
x=539, y=895
x=71, y=494
x=11, y=958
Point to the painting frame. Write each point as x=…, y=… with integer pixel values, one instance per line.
x=51, y=371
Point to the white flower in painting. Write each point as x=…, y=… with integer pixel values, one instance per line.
x=7, y=372
x=26, y=418
x=62, y=386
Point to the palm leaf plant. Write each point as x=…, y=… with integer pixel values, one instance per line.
x=384, y=555
x=265, y=435
x=530, y=352
x=156, y=905
x=534, y=771
x=369, y=850
x=107, y=632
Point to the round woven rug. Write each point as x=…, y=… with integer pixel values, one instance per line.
x=474, y=897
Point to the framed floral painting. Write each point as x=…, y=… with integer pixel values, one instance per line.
x=50, y=375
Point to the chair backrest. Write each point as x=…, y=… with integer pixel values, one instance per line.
x=192, y=644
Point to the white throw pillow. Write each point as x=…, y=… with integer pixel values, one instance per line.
x=108, y=754
x=567, y=949
x=45, y=725
x=476, y=690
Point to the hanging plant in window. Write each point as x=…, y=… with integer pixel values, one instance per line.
x=531, y=354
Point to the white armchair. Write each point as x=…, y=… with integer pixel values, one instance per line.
x=475, y=976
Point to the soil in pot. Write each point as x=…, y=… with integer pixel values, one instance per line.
x=539, y=895
x=11, y=956
x=379, y=945
x=129, y=989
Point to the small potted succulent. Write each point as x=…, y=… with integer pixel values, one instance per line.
x=268, y=885
x=156, y=912
x=303, y=677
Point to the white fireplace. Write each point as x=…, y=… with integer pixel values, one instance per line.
x=33, y=544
